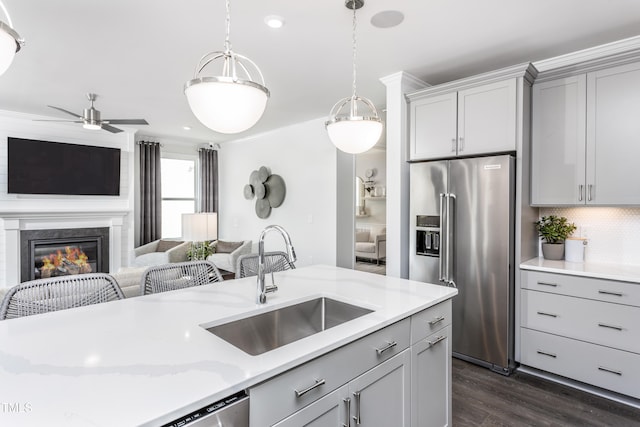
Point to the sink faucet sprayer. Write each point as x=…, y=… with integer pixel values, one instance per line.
x=262, y=289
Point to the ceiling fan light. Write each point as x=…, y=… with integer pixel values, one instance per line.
x=91, y=126
x=9, y=45
x=224, y=105
x=355, y=135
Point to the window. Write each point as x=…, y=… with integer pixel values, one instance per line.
x=178, y=193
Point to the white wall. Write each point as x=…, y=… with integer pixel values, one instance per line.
x=305, y=158
x=12, y=205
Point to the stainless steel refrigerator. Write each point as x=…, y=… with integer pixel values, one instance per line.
x=462, y=234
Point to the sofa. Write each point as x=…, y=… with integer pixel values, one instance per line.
x=160, y=252
x=371, y=243
x=225, y=256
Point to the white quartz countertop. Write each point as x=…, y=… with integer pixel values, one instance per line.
x=621, y=272
x=147, y=360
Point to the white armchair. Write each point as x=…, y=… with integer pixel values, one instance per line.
x=227, y=261
x=160, y=252
x=371, y=246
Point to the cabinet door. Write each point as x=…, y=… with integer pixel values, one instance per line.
x=433, y=127
x=381, y=396
x=431, y=380
x=613, y=150
x=558, y=152
x=329, y=411
x=487, y=118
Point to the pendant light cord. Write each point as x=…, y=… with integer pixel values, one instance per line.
x=227, y=41
x=354, y=49
x=6, y=13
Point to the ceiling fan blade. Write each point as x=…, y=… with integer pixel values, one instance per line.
x=126, y=121
x=110, y=128
x=65, y=111
x=61, y=121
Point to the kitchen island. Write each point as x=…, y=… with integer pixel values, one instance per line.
x=148, y=360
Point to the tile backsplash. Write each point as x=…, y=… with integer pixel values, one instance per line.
x=613, y=233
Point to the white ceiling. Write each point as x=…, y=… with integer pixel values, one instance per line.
x=136, y=55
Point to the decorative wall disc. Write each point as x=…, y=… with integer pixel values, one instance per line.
x=268, y=189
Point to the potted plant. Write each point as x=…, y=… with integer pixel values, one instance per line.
x=554, y=230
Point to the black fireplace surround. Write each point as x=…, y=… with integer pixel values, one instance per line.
x=92, y=241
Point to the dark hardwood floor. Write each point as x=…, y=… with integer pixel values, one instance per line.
x=484, y=398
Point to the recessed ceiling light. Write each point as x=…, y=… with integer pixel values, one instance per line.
x=387, y=19
x=274, y=21
x=186, y=127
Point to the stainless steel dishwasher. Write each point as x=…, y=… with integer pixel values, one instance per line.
x=232, y=411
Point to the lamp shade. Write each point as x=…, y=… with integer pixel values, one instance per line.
x=225, y=105
x=355, y=135
x=9, y=45
x=200, y=227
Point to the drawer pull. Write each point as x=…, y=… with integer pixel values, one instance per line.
x=555, y=285
x=615, y=294
x=436, y=341
x=542, y=313
x=308, y=389
x=436, y=320
x=604, y=325
x=544, y=353
x=611, y=371
x=389, y=346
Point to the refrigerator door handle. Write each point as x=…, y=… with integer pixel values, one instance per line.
x=451, y=198
x=443, y=240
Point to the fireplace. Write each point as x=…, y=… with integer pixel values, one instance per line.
x=62, y=252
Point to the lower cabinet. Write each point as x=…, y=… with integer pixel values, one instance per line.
x=379, y=397
x=431, y=380
x=399, y=376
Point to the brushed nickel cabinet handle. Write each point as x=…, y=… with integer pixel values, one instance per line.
x=390, y=345
x=555, y=285
x=453, y=145
x=347, y=401
x=544, y=353
x=461, y=143
x=542, y=313
x=604, y=325
x=436, y=320
x=436, y=341
x=580, y=192
x=356, y=417
x=611, y=371
x=589, y=189
x=615, y=294
x=317, y=384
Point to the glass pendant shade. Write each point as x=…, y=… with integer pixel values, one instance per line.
x=230, y=102
x=224, y=105
x=9, y=45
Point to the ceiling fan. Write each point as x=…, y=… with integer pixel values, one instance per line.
x=90, y=118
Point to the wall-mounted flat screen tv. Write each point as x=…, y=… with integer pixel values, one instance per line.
x=42, y=167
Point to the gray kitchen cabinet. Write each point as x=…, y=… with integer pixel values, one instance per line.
x=584, y=147
x=329, y=411
x=472, y=116
x=582, y=328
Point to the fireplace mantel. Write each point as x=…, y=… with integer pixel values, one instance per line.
x=15, y=221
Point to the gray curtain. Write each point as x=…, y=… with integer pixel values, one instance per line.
x=150, y=194
x=208, y=180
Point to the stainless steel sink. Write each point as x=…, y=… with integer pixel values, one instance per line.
x=267, y=331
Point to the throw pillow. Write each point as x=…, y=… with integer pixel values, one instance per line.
x=227, y=247
x=165, y=245
x=362, y=236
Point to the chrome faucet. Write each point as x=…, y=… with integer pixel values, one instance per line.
x=262, y=289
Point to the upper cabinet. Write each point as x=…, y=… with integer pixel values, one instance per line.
x=478, y=115
x=584, y=138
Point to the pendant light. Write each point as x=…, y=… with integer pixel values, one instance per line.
x=351, y=131
x=231, y=102
x=10, y=41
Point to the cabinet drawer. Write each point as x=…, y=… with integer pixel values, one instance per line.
x=604, y=367
x=277, y=398
x=430, y=320
x=583, y=287
x=598, y=322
